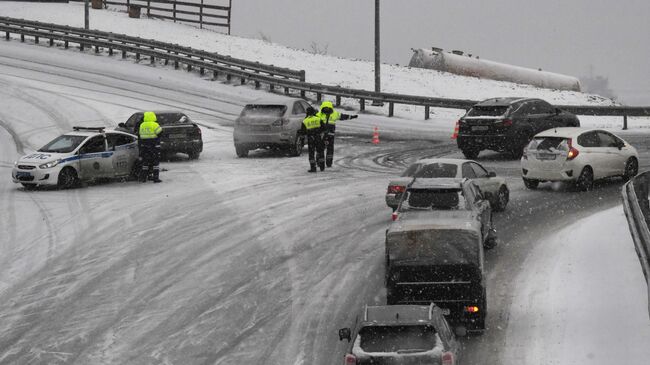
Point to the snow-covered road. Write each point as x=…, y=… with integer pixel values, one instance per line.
x=250, y=261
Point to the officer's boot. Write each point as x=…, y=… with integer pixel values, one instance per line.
x=312, y=166
x=144, y=173
x=156, y=173
x=321, y=165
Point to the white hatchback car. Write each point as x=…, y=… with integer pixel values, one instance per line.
x=577, y=155
x=82, y=155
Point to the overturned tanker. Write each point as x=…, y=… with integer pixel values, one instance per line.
x=460, y=64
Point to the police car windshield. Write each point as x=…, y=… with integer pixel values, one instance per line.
x=63, y=144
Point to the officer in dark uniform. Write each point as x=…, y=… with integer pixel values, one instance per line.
x=150, y=147
x=328, y=117
x=312, y=128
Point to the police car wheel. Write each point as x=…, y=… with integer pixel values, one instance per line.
x=67, y=178
x=298, y=145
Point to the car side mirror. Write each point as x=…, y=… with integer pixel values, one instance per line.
x=121, y=125
x=345, y=334
x=492, y=174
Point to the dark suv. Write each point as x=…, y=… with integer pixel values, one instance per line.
x=179, y=133
x=508, y=124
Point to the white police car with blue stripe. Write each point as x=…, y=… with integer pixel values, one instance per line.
x=82, y=155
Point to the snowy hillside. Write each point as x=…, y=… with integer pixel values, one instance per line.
x=320, y=69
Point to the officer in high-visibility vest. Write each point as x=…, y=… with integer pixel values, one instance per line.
x=150, y=147
x=312, y=128
x=329, y=116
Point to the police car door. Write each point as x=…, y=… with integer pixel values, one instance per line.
x=125, y=152
x=94, y=160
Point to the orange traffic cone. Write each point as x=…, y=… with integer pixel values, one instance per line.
x=455, y=135
x=375, y=136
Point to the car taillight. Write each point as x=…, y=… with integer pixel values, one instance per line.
x=396, y=189
x=393, y=216
x=471, y=309
x=350, y=359
x=573, y=153
x=447, y=358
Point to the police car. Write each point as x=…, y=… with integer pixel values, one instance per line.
x=82, y=155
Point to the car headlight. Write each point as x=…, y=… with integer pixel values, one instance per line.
x=49, y=165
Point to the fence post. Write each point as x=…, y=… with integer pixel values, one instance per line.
x=362, y=105
x=148, y=8
x=128, y=4
x=625, y=122
x=257, y=84
x=174, y=11
x=271, y=87
x=426, y=112
x=319, y=97
x=230, y=14
x=36, y=39
x=201, y=15
x=302, y=75
x=391, y=109
x=302, y=94
x=338, y=100
x=7, y=35
x=286, y=91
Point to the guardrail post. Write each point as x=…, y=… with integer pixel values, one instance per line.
x=167, y=59
x=81, y=46
x=302, y=75
x=215, y=74
x=271, y=87
x=625, y=122
x=22, y=37
x=228, y=77
x=391, y=109
x=286, y=90
x=36, y=39
x=338, y=100
x=51, y=39
x=153, y=60
x=7, y=35
x=257, y=84
x=319, y=97
x=123, y=54
x=302, y=94
x=362, y=104
x=148, y=8
x=426, y=112
x=174, y=11
x=242, y=80
x=189, y=67
x=201, y=15
x=96, y=49
x=201, y=69
x=137, y=56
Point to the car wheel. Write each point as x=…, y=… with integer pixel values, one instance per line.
x=531, y=184
x=471, y=153
x=193, y=155
x=298, y=144
x=67, y=178
x=502, y=199
x=631, y=168
x=241, y=151
x=585, y=181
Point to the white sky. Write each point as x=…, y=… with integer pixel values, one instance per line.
x=562, y=36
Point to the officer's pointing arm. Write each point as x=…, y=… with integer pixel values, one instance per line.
x=348, y=116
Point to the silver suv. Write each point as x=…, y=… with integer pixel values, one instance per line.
x=270, y=124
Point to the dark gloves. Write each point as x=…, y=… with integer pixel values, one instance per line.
x=354, y=116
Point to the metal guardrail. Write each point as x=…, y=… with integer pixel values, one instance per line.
x=637, y=210
x=94, y=37
x=259, y=74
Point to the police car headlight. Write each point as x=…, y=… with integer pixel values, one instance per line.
x=49, y=165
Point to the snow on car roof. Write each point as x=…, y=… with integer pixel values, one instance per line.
x=501, y=101
x=564, y=132
x=452, y=161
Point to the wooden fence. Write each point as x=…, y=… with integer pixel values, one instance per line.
x=216, y=13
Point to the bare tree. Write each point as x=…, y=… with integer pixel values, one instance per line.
x=317, y=49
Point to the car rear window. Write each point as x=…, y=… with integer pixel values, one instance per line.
x=430, y=199
x=487, y=111
x=550, y=144
x=397, y=338
x=437, y=170
x=63, y=144
x=254, y=110
x=172, y=118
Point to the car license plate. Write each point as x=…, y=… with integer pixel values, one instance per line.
x=546, y=156
x=20, y=174
x=480, y=128
x=177, y=136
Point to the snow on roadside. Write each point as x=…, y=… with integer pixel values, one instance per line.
x=581, y=298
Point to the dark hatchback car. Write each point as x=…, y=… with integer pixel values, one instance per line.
x=508, y=125
x=179, y=133
x=401, y=334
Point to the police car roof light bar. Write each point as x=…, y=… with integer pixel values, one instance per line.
x=97, y=129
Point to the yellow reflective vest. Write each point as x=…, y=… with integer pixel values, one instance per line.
x=332, y=117
x=149, y=128
x=312, y=122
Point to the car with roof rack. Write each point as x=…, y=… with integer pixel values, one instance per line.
x=493, y=187
x=85, y=154
x=401, y=334
x=508, y=124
